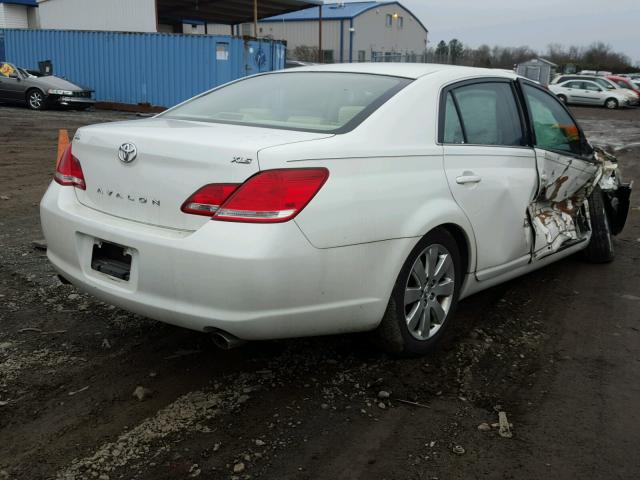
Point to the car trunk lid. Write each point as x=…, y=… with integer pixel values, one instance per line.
x=173, y=159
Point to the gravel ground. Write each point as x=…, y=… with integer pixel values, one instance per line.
x=557, y=351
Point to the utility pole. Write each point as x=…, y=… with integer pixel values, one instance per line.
x=320, y=58
x=255, y=18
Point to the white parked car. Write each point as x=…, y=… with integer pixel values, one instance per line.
x=328, y=199
x=586, y=92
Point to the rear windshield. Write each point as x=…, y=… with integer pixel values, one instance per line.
x=307, y=101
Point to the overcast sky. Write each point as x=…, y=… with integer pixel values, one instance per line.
x=535, y=23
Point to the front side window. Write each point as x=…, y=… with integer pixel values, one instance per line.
x=489, y=114
x=553, y=127
x=308, y=101
x=591, y=86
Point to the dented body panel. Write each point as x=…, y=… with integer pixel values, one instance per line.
x=558, y=213
x=564, y=183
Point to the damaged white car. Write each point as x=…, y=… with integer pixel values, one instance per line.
x=331, y=199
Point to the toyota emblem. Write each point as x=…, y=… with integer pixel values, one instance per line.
x=127, y=152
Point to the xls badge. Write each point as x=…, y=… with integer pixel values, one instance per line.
x=242, y=160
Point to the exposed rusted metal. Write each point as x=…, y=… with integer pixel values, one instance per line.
x=563, y=190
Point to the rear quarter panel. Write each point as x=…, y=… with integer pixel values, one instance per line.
x=386, y=177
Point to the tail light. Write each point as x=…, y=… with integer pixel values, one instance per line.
x=273, y=195
x=268, y=197
x=69, y=171
x=208, y=199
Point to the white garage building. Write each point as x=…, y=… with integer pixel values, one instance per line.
x=18, y=14
x=353, y=32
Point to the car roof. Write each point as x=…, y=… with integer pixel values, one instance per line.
x=408, y=70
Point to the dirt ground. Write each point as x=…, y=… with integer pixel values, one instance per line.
x=557, y=350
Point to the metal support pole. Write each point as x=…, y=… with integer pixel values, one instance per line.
x=255, y=18
x=320, y=56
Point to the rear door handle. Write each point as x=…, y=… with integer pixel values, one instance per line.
x=468, y=179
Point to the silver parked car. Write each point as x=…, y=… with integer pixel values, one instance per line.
x=17, y=85
x=587, y=92
x=603, y=82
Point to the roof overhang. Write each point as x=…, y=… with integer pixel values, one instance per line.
x=26, y=3
x=226, y=12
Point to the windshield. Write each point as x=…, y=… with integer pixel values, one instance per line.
x=308, y=101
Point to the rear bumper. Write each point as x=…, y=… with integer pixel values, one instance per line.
x=253, y=281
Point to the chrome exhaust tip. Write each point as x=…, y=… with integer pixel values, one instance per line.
x=226, y=341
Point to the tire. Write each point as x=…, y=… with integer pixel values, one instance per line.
x=35, y=99
x=611, y=103
x=563, y=99
x=600, y=248
x=403, y=329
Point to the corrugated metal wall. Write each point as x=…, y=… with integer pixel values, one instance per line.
x=155, y=68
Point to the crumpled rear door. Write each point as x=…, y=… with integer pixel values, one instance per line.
x=564, y=182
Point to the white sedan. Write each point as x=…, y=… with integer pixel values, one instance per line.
x=587, y=92
x=330, y=199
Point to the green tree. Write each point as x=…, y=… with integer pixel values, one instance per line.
x=442, y=52
x=455, y=50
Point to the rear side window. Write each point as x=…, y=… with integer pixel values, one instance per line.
x=452, y=126
x=553, y=126
x=488, y=114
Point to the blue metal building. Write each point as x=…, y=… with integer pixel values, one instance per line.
x=148, y=68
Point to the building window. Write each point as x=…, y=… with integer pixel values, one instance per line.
x=389, y=20
x=327, y=56
x=400, y=22
x=362, y=55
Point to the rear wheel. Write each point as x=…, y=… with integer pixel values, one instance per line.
x=35, y=99
x=600, y=248
x=424, y=297
x=611, y=103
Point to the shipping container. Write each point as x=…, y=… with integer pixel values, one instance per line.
x=142, y=68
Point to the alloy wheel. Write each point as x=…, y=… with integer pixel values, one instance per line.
x=35, y=100
x=429, y=292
